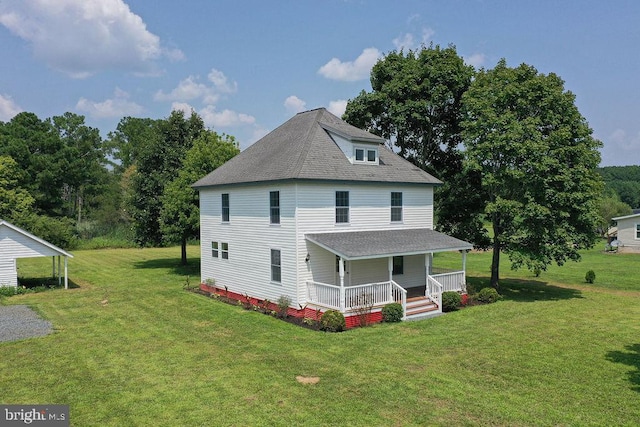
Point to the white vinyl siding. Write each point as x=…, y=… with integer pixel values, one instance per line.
x=629, y=232
x=249, y=236
x=304, y=208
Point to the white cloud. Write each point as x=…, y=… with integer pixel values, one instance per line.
x=338, y=107
x=351, y=71
x=83, y=37
x=224, y=118
x=191, y=88
x=409, y=42
x=624, y=142
x=8, y=108
x=118, y=106
x=477, y=59
x=294, y=105
x=182, y=106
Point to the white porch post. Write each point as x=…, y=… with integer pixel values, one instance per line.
x=427, y=271
x=341, y=273
x=390, y=266
x=66, y=274
x=60, y=271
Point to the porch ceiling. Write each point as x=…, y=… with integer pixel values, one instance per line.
x=352, y=245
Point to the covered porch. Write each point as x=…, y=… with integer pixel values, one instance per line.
x=374, y=268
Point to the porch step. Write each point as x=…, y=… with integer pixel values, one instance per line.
x=418, y=307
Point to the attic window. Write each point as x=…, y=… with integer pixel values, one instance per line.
x=366, y=155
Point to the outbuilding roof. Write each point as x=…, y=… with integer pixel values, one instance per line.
x=302, y=149
x=352, y=245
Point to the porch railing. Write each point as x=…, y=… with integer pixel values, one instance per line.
x=434, y=290
x=323, y=294
x=355, y=297
x=451, y=281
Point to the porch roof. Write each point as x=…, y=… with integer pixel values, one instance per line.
x=353, y=245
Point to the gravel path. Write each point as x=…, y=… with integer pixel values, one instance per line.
x=18, y=322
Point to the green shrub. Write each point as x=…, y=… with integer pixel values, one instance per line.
x=332, y=321
x=392, y=312
x=488, y=295
x=7, y=291
x=451, y=301
x=590, y=277
x=283, y=305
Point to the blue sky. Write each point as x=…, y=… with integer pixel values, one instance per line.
x=247, y=66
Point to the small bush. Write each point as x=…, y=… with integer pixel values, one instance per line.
x=590, y=277
x=332, y=321
x=488, y=295
x=451, y=301
x=7, y=291
x=283, y=305
x=392, y=313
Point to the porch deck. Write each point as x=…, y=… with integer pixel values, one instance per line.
x=350, y=299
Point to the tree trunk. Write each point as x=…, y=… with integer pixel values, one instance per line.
x=183, y=260
x=495, y=263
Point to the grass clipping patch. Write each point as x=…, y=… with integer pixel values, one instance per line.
x=307, y=380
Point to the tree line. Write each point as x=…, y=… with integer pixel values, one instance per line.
x=61, y=181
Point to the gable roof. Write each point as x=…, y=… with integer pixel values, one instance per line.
x=353, y=245
x=302, y=149
x=41, y=248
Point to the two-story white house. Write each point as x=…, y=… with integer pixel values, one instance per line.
x=324, y=213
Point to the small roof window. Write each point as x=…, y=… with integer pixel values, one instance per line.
x=366, y=155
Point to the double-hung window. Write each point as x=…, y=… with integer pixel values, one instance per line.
x=396, y=207
x=224, y=250
x=637, y=231
x=214, y=249
x=342, y=207
x=274, y=207
x=276, y=273
x=225, y=207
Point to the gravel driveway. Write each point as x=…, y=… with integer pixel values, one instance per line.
x=18, y=322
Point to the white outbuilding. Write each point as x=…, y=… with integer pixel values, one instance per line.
x=17, y=243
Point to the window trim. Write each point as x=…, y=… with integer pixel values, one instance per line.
x=637, y=229
x=274, y=210
x=225, y=211
x=215, y=250
x=274, y=266
x=224, y=250
x=365, y=151
x=342, y=209
x=397, y=208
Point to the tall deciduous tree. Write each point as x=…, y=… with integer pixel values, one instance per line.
x=157, y=164
x=537, y=160
x=180, y=214
x=415, y=103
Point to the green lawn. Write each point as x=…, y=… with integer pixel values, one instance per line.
x=560, y=353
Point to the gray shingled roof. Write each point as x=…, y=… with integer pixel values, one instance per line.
x=375, y=244
x=301, y=149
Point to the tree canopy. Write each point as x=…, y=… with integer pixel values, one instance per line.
x=180, y=213
x=537, y=160
x=416, y=104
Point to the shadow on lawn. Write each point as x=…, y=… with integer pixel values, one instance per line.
x=631, y=358
x=48, y=282
x=527, y=290
x=191, y=269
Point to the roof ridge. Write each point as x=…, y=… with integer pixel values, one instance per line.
x=307, y=143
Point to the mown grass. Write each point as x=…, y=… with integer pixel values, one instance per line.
x=556, y=351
